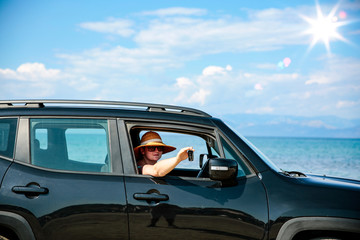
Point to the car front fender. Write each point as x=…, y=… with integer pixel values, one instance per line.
x=297, y=225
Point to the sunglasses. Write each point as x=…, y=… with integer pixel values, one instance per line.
x=152, y=148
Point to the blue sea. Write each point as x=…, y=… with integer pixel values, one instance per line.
x=324, y=156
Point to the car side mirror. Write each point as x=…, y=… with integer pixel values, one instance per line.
x=224, y=170
x=206, y=156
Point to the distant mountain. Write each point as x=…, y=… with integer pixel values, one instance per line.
x=293, y=126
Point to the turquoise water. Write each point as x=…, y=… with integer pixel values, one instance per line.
x=325, y=156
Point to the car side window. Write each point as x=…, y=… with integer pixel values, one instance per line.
x=7, y=136
x=204, y=144
x=180, y=141
x=70, y=144
x=230, y=153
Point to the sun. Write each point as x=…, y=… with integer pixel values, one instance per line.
x=324, y=28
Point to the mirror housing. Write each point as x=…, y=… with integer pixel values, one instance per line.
x=206, y=156
x=224, y=170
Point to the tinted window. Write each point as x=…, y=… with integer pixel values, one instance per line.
x=70, y=144
x=87, y=145
x=230, y=153
x=7, y=137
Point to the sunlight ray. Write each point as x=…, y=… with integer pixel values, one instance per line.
x=324, y=28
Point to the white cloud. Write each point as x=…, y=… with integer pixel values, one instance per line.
x=248, y=75
x=205, y=36
x=82, y=84
x=262, y=110
x=199, y=90
x=348, y=104
x=268, y=66
x=182, y=36
x=120, y=61
x=277, y=93
x=29, y=80
x=228, y=68
x=30, y=72
x=174, y=36
x=183, y=82
x=337, y=69
x=218, y=86
x=8, y=74
x=199, y=96
x=213, y=70
x=319, y=79
x=34, y=80
x=175, y=11
x=113, y=26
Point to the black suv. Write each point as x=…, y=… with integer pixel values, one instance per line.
x=68, y=171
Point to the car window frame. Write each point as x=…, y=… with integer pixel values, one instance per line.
x=131, y=168
x=15, y=137
x=242, y=157
x=130, y=165
x=23, y=154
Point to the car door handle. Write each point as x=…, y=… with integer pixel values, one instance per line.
x=157, y=197
x=31, y=189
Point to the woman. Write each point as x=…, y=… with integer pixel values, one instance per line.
x=150, y=151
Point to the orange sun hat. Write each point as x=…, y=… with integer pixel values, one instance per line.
x=152, y=139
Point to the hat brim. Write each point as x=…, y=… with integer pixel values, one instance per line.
x=167, y=148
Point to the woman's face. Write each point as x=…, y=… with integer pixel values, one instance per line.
x=154, y=155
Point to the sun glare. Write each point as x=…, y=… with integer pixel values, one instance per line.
x=324, y=28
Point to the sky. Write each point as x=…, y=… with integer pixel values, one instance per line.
x=275, y=58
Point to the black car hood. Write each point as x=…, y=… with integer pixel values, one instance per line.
x=333, y=181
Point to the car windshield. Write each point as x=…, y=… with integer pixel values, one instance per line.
x=270, y=163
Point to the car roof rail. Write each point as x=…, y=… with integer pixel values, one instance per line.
x=150, y=107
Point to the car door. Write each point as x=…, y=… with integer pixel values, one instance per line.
x=66, y=179
x=186, y=206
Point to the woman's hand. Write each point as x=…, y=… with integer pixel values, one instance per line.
x=163, y=167
x=183, y=154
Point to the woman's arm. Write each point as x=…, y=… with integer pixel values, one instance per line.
x=163, y=167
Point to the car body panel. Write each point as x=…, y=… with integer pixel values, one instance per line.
x=76, y=206
x=291, y=198
x=199, y=208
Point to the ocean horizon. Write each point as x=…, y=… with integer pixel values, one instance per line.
x=336, y=157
